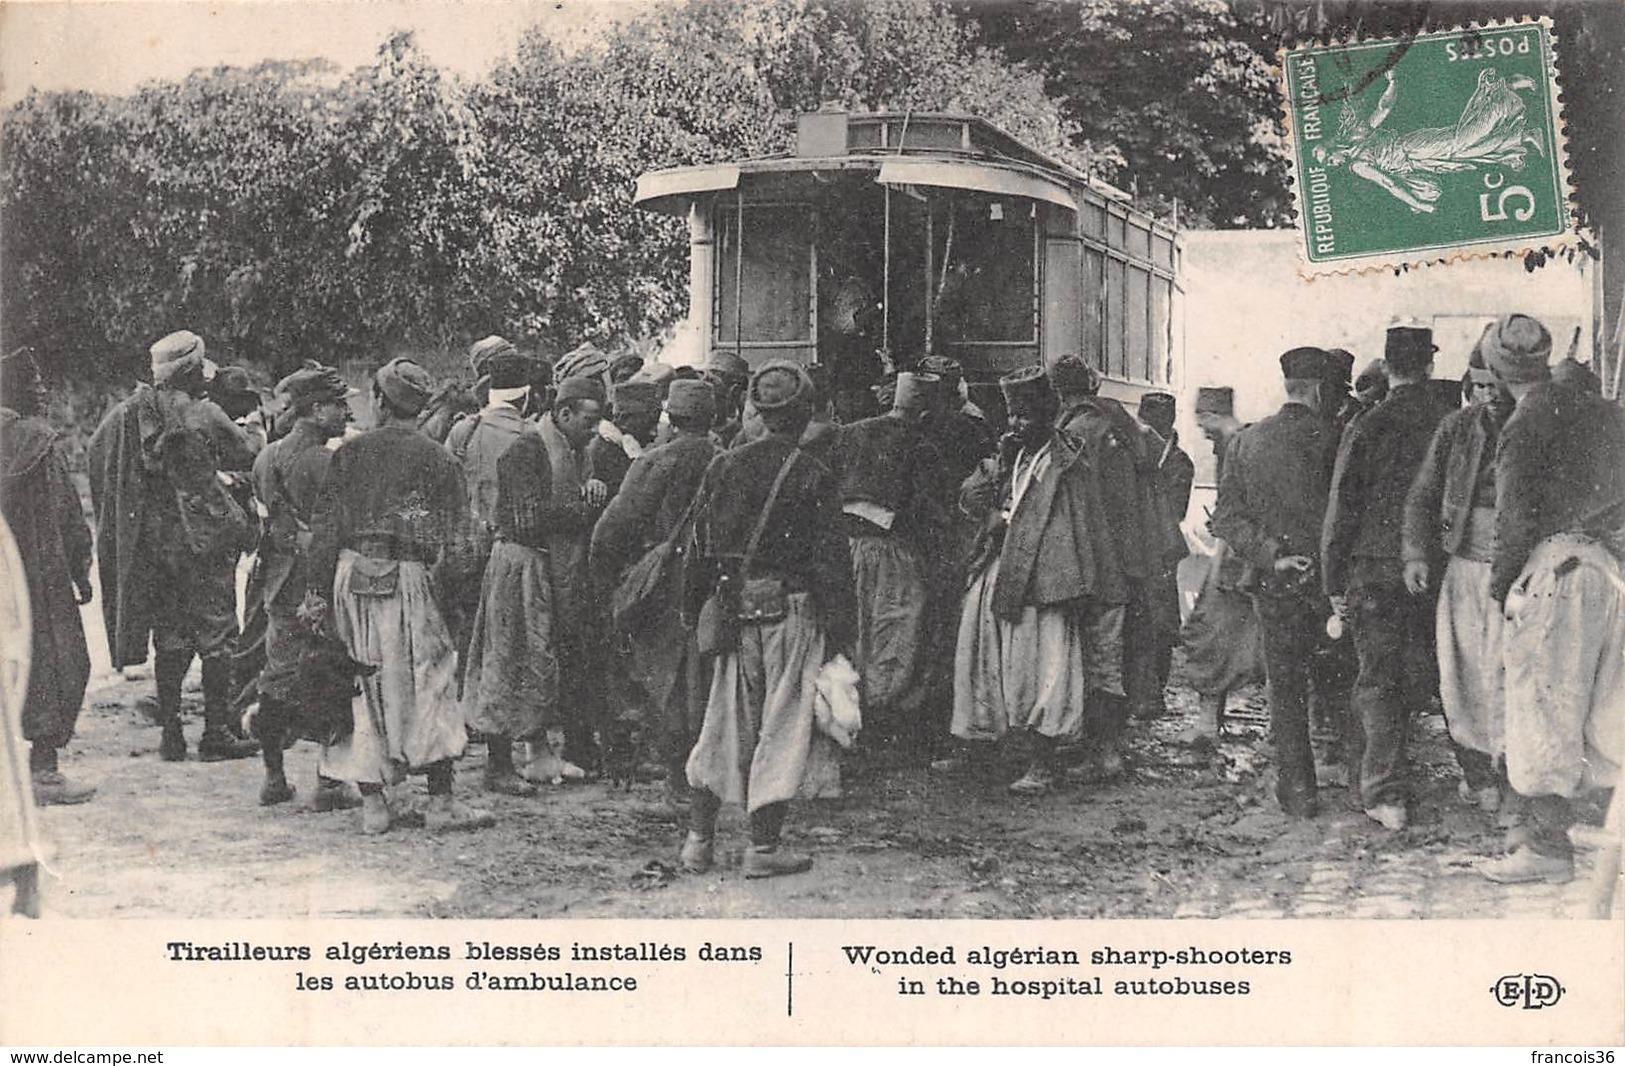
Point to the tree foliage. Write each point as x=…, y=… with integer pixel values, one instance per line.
x=1174, y=98
x=294, y=210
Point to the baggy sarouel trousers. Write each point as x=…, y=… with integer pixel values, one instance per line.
x=408, y=717
x=1035, y=672
x=757, y=744
x=511, y=679
x=1471, y=675
x=1565, y=670
x=890, y=586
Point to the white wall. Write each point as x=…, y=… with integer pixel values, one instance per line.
x=1246, y=304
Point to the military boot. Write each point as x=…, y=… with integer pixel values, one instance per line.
x=169, y=670
x=219, y=742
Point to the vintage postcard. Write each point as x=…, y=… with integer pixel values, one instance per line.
x=795, y=522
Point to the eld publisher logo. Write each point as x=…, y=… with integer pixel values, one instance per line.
x=1531, y=991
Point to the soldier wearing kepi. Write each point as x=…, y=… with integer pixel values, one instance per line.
x=635, y=407
x=1220, y=638
x=288, y=479
x=391, y=524
x=1151, y=648
x=168, y=538
x=1363, y=567
x=42, y=508
x=1271, y=503
x=1559, y=539
x=771, y=557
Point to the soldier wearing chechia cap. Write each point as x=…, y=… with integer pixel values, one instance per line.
x=1271, y=502
x=393, y=511
x=1448, y=542
x=1138, y=539
x=653, y=500
x=1040, y=640
x=168, y=538
x=772, y=567
x=288, y=478
x=477, y=443
x=1151, y=658
x=893, y=498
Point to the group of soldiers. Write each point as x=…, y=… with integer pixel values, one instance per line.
x=1450, y=544
x=604, y=558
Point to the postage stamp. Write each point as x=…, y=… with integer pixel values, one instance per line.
x=1426, y=148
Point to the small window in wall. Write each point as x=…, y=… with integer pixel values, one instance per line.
x=774, y=269
x=986, y=278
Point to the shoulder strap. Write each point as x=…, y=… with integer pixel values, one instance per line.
x=767, y=511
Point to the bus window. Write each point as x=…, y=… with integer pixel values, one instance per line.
x=775, y=272
x=985, y=277
x=1137, y=321
x=1093, y=310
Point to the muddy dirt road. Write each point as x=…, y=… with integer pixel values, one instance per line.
x=1181, y=835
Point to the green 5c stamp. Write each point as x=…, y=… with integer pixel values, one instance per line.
x=1418, y=149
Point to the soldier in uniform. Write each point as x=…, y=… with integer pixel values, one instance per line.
x=1221, y=639
x=288, y=478
x=391, y=526
x=892, y=495
x=168, y=539
x=653, y=500
x=476, y=443
x=757, y=742
x=729, y=375
x=1364, y=571
x=1151, y=652
x=1271, y=502
x=42, y=508
x=1559, y=541
x=577, y=497
x=635, y=407
x=1143, y=539
x=1041, y=625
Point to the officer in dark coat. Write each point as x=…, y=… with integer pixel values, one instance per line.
x=1364, y=569
x=1272, y=499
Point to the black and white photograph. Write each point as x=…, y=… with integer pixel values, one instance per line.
x=812, y=459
